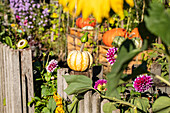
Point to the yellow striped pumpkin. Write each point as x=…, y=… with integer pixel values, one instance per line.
x=79, y=61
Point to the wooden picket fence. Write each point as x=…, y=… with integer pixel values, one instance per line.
x=16, y=80
x=92, y=102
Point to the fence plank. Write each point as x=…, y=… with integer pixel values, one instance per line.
x=27, y=79
x=16, y=87
x=1, y=79
x=81, y=106
x=61, y=82
x=5, y=80
x=8, y=53
x=96, y=103
x=87, y=102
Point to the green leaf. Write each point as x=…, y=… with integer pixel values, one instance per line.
x=45, y=110
x=158, y=22
x=51, y=105
x=141, y=103
x=8, y=41
x=108, y=107
x=161, y=105
x=127, y=49
x=77, y=84
x=45, y=91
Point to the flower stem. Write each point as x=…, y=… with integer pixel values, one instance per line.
x=119, y=101
x=115, y=99
x=81, y=49
x=162, y=79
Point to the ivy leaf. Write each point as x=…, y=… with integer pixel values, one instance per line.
x=158, y=22
x=45, y=110
x=161, y=105
x=77, y=84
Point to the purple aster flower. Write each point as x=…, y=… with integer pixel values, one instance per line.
x=44, y=24
x=33, y=5
x=26, y=18
x=30, y=22
x=112, y=55
x=100, y=85
x=33, y=19
x=42, y=16
x=39, y=23
x=46, y=20
x=32, y=26
x=52, y=65
x=31, y=8
x=38, y=5
x=30, y=16
x=142, y=83
x=29, y=26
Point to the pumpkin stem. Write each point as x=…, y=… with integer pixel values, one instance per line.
x=82, y=46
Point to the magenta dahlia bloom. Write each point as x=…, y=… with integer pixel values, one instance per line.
x=52, y=65
x=100, y=85
x=112, y=55
x=142, y=83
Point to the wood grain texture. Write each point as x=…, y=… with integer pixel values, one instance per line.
x=87, y=102
x=96, y=103
x=16, y=87
x=27, y=80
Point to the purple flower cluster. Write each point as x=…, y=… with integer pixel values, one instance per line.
x=100, y=85
x=142, y=83
x=27, y=12
x=52, y=66
x=112, y=55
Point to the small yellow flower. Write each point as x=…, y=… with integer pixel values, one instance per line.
x=58, y=101
x=54, y=15
x=13, y=25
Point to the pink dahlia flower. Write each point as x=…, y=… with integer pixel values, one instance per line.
x=100, y=85
x=52, y=65
x=142, y=83
x=112, y=55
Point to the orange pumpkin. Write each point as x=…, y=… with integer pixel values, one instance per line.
x=80, y=22
x=79, y=61
x=111, y=34
x=134, y=33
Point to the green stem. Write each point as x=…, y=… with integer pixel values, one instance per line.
x=119, y=101
x=162, y=79
x=115, y=99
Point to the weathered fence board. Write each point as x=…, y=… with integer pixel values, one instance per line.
x=92, y=103
x=16, y=80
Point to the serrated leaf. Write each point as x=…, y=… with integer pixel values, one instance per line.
x=158, y=22
x=77, y=84
x=108, y=107
x=161, y=105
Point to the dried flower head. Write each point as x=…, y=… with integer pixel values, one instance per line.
x=142, y=83
x=100, y=85
x=52, y=65
x=112, y=55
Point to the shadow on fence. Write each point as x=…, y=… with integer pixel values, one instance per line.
x=16, y=80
